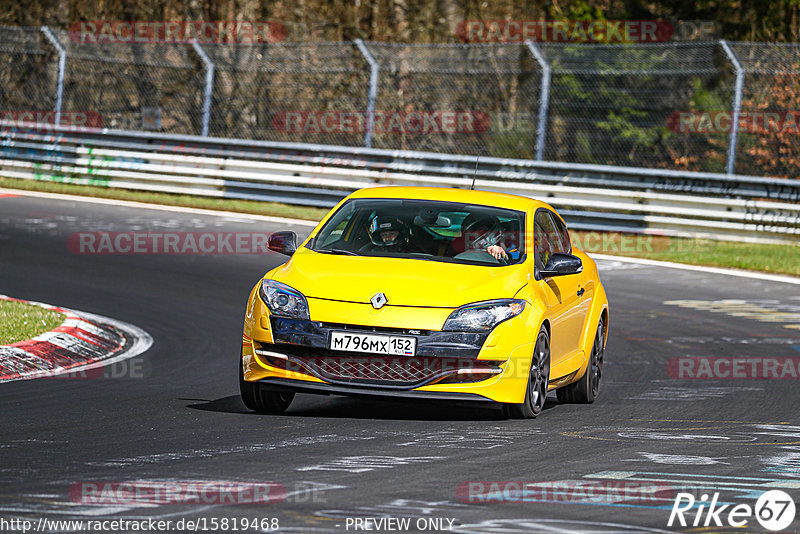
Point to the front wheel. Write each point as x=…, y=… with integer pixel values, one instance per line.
x=585, y=390
x=256, y=398
x=538, y=381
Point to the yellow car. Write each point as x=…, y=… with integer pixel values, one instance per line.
x=428, y=293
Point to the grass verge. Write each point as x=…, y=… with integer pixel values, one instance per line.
x=20, y=321
x=776, y=259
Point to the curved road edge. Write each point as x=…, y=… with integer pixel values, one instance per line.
x=82, y=342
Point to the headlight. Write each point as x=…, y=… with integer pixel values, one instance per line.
x=283, y=300
x=483, y=316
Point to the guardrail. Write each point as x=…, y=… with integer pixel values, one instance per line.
x=590, y=197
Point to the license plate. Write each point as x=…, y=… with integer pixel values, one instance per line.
x=375, y=344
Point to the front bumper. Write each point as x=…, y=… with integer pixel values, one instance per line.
x=294, y=354
x=318, y=388
x=302, y=347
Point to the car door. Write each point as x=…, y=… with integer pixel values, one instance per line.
x=561, y=292
x=584, y=284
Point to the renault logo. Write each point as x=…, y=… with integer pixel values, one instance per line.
x=378, y=300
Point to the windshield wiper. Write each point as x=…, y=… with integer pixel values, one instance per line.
x=423, y=256
x=337, y=251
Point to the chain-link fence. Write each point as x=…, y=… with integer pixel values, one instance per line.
x=28, y=71
x=770, y=134
x=134, y=86
x=701, y=106
x=287, y=92
x=617, y=105
x=468, y=99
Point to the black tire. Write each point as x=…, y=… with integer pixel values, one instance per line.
x=261, y=400
x=538, y=381
x=585, y=390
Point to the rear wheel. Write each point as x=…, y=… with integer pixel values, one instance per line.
x=538, y=381
x=258, y=399
x=585, y=390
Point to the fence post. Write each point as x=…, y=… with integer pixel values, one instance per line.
x=373, y=90
x=209, y=87
x=737, y=105
x=62, y=65
x=544, y=98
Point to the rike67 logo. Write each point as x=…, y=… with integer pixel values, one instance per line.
x=774, y=510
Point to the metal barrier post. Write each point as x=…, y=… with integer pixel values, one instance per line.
x=209, y=86
x=544, y=98
x=62, y=65
x=373, y=90
x=737, y=105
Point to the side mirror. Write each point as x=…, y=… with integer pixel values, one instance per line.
x=283, y=242
x=561, y=264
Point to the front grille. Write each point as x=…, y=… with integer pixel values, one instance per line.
x=377, y=370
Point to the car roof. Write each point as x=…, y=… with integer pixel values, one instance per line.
x=487, y=198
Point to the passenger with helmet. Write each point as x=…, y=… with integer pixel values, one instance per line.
x=388, y=234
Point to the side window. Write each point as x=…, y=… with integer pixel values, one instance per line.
x=561, y=228
x=357, y=232
x=545, y=238
x=336, y=234
x=347, y=230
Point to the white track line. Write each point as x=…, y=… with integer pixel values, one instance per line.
x=162, y=207
x=702, y=269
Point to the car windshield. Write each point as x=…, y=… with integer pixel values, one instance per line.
x=425, y=230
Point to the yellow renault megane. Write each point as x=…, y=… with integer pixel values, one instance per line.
x=415, y=292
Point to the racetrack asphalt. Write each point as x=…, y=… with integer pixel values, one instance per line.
x=174, y=416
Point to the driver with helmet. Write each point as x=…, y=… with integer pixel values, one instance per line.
x=388, y=234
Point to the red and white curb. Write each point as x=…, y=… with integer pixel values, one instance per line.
x=83, y=341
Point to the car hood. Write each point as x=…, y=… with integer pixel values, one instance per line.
x=405, y=282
